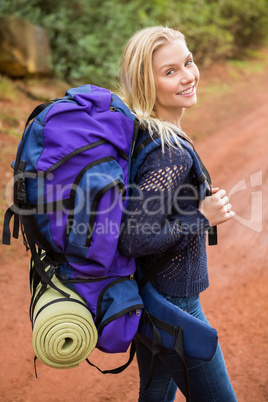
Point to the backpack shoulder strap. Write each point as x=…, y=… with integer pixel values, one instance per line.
x=145, y=144
x=212, y=232
x=36, y=112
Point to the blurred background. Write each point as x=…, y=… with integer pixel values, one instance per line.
x=86, y=37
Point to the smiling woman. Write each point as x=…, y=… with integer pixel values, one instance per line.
x=176, y=77
x=138, y=83
x=158, y=80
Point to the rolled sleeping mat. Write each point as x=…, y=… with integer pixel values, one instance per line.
x=64, y=333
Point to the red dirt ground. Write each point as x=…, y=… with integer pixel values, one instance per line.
x=234, y=146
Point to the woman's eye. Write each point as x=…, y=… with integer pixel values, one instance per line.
x=170, y=72
x=189, y=62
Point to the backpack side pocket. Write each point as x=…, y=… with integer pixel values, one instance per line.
x=95, y=210
x=119, y=310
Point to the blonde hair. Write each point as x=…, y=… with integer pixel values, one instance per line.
x=137, y=82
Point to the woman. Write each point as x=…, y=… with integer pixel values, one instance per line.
x=159, y=80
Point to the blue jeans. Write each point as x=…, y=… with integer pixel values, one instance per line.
x=209, y=381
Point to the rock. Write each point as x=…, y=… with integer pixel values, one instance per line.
x=24, y=48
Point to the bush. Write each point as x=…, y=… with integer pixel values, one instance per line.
x=87, y=36
x=246, y=22
x=218, y=29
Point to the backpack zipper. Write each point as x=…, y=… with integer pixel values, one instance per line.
x=98, y=196
x=129, y=310
x=100, y=298
x=74, y=153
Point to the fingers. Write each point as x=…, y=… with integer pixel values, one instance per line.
x=217, y=208
x=229, y=215
x=215, y=190
x=220, y=193
x=224, y=206
x=223, y=198
x=228, y=207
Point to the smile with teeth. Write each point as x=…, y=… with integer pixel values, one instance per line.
x=187, y=91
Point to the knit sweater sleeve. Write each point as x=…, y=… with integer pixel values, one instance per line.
x=162, y=212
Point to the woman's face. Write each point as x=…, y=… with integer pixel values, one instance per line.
x=176, y=78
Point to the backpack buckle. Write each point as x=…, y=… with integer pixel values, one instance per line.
x=20, y=193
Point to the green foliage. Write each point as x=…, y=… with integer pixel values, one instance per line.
x=8, y=92
x=217, y=29
x=247, y=21
x=87, y=36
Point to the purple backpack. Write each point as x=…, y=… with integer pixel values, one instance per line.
x=70, y=192
x=71, y=185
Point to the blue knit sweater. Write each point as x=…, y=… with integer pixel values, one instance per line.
x=163, y=216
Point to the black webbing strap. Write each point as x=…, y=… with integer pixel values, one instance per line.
x=156, y=348
x=6, y=235
x=203, y=168
x=121, y=368
x=179, y=347
x=20, y=198
x=35, y=299
x=35, y=280
x=212, y=236
x=134, y=137
x=28, y=223
x=52, y=206
x=16, y=226
x=201, y=179
x=141, y=146
x=212, y=232
x=36, y=111
x=35, y=369
x=30, y=208
x=60, y=300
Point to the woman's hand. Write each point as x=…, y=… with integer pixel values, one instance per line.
x=216, y=207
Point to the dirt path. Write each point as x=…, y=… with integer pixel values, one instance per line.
x=236, y=155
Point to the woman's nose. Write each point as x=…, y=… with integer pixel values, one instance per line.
x=188, y=76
